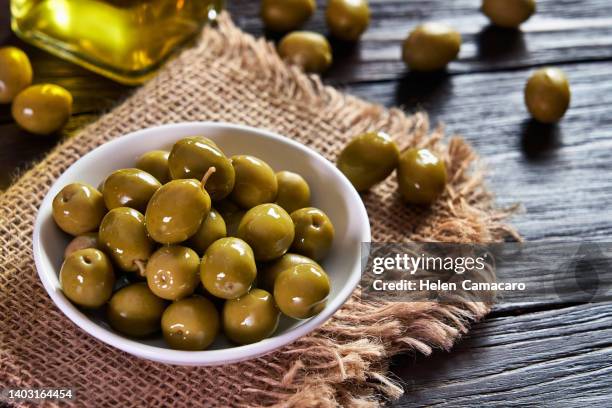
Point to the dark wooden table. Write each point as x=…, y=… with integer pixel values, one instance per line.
x=551, y=354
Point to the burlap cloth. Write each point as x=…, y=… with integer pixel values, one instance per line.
x=230, y=76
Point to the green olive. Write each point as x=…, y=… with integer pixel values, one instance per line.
x=228, y=268
x=87, y=278
x=211, y=229
x=192, y=157
x=155, y=163
x=508, y=13
x=267, y=272
x=84, y=241
x=314, y=233
x=78, y=208
x=15, y=73
x=250, y=318
x=232, y=215
x=548, y=95
x=173, y=272
x=293, y=191
x=255, y=182
x=368, y=159
x=176, y=211
x=306, y=49
x=135, y=311
x=421, y=176
x=347, y=19
x=190, y=324
x=129, y=188
x=268, y=229
x=42, y=109
x=301, y=291
x=286, y=15
x=124, y=237
x=431, y=46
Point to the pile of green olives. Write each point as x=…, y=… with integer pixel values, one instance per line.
x=191, y=242
x=40, y=109
x=371, y=157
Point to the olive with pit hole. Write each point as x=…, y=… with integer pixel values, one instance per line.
x=173, y=272
x=87, y=278
x=314, y=233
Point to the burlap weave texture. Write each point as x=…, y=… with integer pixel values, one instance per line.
x=230, y=76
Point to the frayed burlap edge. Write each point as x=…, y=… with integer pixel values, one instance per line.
x=345, y=362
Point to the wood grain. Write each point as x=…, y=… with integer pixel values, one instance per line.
x=532, y=354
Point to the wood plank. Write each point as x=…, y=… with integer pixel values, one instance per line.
x=561, y=31
x=553, y=358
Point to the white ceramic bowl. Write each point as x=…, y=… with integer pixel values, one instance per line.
x=331, y=192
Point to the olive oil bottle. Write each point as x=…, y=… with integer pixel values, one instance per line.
x=126, y=40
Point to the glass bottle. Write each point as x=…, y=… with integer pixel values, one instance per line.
x=126, y=40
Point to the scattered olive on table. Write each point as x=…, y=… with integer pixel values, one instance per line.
x=508, y=13
x=548, y=95
x=286, y=15
x=368, y=159
x=15, y=73
x=309, y=50
x=42, y=109
x=421, y=176
x=431, y=46
x=347, y=19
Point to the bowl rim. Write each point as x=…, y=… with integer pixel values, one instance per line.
x=50, y=279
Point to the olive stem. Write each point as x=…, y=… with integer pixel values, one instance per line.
x=207, y=175
x=141, y=265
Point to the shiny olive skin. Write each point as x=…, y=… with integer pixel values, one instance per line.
x=368, y=159
x=190, y=324
x=42, y=109
x=129, y=188
x=250, y=318
x=255, y=182
x=78, y=208
x=124, y=237
x=548, y=95
x=421, y=176
x=135, y=311
x=267, y=272
x=301, y=291
x=211, y=229
x=286, y=15
x=87, y=278
x=293, y=191
x=228, y=268
x=314, y=233
x=431, y=46
x=155, y=163
x=170, y=223
x=15, y=73
x=232, y=215
x=191, y=157
x=347, y=19
x=508, y=13
x=306, y=49
x=84, y=241
x=173, y=272
x=268, y=229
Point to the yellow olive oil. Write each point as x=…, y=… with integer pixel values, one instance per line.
x=126, y=40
